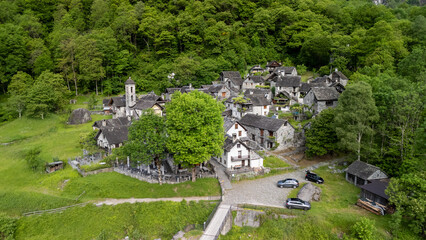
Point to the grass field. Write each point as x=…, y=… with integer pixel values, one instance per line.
x=22, y=190
x=330, y=218
x=138, y=221
x=274, y=162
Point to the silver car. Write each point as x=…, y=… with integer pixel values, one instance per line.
x=288, y=183
x=297, y=203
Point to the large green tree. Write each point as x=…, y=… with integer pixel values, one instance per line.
x=321, y=137
x=147, y=140
x=195, y=128
x=408, y=193
x=355, y=115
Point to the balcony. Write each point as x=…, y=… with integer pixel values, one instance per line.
x=240, y=158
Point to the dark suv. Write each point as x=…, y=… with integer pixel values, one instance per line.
x=288, y=183
x=313, y=177
x=297, y=203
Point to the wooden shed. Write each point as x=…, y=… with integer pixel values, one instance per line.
x=54, y=166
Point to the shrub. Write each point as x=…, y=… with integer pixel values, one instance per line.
x=363, y=229
x=7, y=226
x=96, y=166
x=34, y=161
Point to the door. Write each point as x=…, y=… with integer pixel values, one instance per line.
x=243, y=163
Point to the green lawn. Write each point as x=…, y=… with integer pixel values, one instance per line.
x=274, y=162
x=22, y=190
x=330, y=218
x=138, y=221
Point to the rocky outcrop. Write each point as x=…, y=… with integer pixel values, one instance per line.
x=309, y=192
x=79, y=116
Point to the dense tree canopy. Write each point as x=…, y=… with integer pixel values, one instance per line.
x=97, y=44
x=195, y=128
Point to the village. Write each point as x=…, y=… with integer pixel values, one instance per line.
x=253, y=125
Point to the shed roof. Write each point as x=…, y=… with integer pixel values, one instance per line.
x=273, y=64
x=257, y=79
x=142, y=105
x=362, y=169
x=259, y=100
x=237, y=81
x=377, y=187
x=262, y=122
x=340, y=74
x=118, y=101
x=115, y=122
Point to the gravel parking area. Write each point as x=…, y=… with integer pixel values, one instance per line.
x=263, y=191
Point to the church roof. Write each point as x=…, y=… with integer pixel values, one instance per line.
x=129, y=81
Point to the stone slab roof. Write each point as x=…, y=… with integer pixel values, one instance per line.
x=118, y=101
x=288, y=81
x=257, y=79
x=115, y=135
x=115, y=122
x=325, y=93
x=231, y=74
x=362, y=169
x=259, y=100
x=262, y=122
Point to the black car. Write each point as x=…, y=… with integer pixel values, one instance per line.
x=297, y=203
x=288, y=183
x=313, y=177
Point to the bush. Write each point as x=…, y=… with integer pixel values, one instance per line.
x=7, y=226
x=34, y=161
x=363, y=229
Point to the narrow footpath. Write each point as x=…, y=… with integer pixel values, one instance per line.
x=139, y=200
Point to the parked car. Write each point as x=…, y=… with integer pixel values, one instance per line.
x=288, y=183
x=313, y=177
x=297, y=203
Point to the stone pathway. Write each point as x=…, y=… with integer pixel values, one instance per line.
x=220, y=171
x=216, y=224
x=137, y=200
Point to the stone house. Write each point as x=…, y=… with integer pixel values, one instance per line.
x=252, y=81
x=270, y=66
x=289, y=84
x=106, y=107
x=265, y=92
x=360, y=173
x=115, y=122
x=109, y=138
x=141, y=106
x=320, y=98
x=220, y=91
x=118, y=106
x=254, y=104
x=268, y=132
x=256, y=69
x=285, y=71
x=338, y=77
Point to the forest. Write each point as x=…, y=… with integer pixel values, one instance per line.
x=53, y=50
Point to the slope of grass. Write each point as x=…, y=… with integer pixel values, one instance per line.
x=330, y=218
x=274, y=162
x=138, y=221
x=22, y=190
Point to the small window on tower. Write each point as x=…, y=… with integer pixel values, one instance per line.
x=131, y=89
x=131, y=97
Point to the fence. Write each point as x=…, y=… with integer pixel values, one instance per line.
x=55, y=210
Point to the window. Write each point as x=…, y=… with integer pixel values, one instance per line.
x=329, y=103
x=131, y=89
x=234, y=136
x=264, y=107
x=271, y=134
x=239, y=133
x=253, y=137
x=261, y=132
x=223, y=94
x=131, y=97
x=236, y=126
x=238, y=145
x=239, y=154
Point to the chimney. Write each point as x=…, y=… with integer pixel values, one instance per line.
x=104, y=123
x=335, y=69
x=190, y=85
